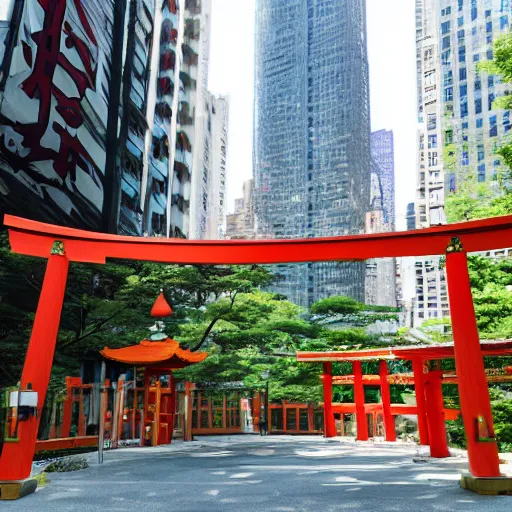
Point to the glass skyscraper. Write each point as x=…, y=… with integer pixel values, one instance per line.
x=312, y=134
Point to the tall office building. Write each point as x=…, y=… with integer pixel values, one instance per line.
x=383, y=154
x=241, y=223
x=459, y=125
x=102, y=113
x=380, y=282
x=211, y=208
x=312, y=134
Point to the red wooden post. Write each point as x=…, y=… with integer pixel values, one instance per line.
x=474, y=395
x=435, y=415
x=67, y=408
x=329, y=424
x=419, y=389
x=362, y=423
x=389, y=419
x=187, y=431
x=16, y=458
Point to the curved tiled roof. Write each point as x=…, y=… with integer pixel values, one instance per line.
x=149, y=352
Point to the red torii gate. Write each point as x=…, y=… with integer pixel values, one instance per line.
x=427, y=385
x=60, y=245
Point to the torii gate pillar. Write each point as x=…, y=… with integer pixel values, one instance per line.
x=329, y=424
x=16, y=457
x=474, y=395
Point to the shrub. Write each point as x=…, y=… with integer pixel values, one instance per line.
x=67, y=464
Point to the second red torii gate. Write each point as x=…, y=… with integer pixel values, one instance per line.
x=61, y=245
x=427, y=383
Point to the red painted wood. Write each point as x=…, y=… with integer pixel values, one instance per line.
x=435, y=415
x=36, y=238
x=419, y=390
x=389, y=420
x=446, y=351
x=473, y=392
x=329, y=424
x=362, y=424
x=66, y=443
x=16, y=458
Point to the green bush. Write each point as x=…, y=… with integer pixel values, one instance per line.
x=68, y=464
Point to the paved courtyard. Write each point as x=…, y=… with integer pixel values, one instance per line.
x=271, y=474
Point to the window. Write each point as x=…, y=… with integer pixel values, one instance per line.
x=432, y=141
x=506, y=120
x=461, y=5
x=465, y=158
x=481, y=152
x=488, y=27
x=452, y=182
x=490, y=81
x=479, y=123
x=474, y=10
x=488, y=13
x=493, y=131
x=460, y=34
x=445, y=57
x=448, y=78
x=489, y=54
x=464, y=109
x=465, y=126
x=431, y=122
x=476, y=57
x=430, y=78
x=448, y=10
x=432, y=159
x=445, y=27
x=446, y=42
x=462, y=74
x=488, y=38
x=503, y=22
x=478, y=85
x=460, y=21
x=481, y=172
x=490, y=101
x=478, y=107
x=448, y=94
x=463, y=91
x=448, y=137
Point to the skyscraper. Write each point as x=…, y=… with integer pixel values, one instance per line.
x=383, y=154
x=103, y=107
x=458, y=122
x=380, y=285
x=312, y=134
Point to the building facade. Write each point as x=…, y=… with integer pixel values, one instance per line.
x=383, y=154
x=241, y=223
x=103, y=128
x=459, y=124
x=410, y=217
x=312, y=134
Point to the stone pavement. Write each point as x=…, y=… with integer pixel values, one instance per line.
x=262, y=474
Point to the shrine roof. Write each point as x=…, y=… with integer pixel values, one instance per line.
x=426, y=352
x=147, y=353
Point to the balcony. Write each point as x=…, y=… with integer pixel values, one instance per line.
x=184, y=114
x=168, y=60
x=183, y=142
x=184, y=157
x=169, y=34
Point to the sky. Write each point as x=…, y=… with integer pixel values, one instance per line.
x=392, y=58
